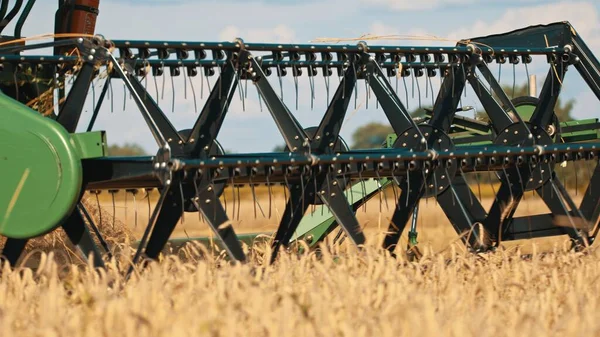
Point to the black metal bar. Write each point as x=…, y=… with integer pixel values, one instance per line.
x=212, y=209
x=13, y=12
x=463, y=209
x=162, y=122
x=448, y=99
x=80, y=236
x=291, y=130
x=329, y=128
x=391, y=105
x=22, y=18
x=149, y=228
x=412, y=191
x=544, y=111
x=167, y=220
x=99, y=104
x=71, y=111
x=499, y=117
x=95, y=229
x=507, y=106
x=208, y=124
x=13, y=249
x=588, y=66
x=333, y=196
x=504, y=205
x=295, y=208
x=154, y=128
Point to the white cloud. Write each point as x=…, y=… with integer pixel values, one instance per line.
x=406, y=5
x=279, y=34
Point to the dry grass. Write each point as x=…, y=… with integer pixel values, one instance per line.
x=355, y=294
x=341, y=293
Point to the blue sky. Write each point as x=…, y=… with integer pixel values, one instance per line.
x=300, y=21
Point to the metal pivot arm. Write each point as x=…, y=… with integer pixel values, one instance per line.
x=329, y=129
x=395, y=111
x=152, y=124
x=80, y=236
x=500, y=117
x=544, y=111
x=291, y=130
x=208, y=124
x=147, y=102
x=70, y=112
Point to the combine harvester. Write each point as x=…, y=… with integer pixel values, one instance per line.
x=48, y=167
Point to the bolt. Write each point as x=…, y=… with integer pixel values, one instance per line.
x=168, y=182
x=206, y=148
x=90, y=57
x=92, y=51
x=207, y=201
x=335, y=183
x=309, y=238
x=332, y=194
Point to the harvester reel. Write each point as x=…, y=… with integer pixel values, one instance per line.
x=444, y=172
x=540, y=170
x=189, y=186
x=340, y=146
x=191, y=170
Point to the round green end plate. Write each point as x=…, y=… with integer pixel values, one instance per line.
x=40, y=170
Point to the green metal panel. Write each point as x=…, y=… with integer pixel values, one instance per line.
x=90, y=144
x=41, y=172
x=315, y=225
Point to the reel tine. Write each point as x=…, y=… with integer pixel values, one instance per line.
x=192, y=73
x=111, y=94
x=256, y=203
x=405, y=92
x=156, y=88
x=124, y=97
x=114, y=218
x=172, y=89
x=94, y=227
x=279, y=75
x=162, y=89
x=367, y=96
x=326, y=78
x=185, y=85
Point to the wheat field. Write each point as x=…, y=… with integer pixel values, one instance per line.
x=343, y=292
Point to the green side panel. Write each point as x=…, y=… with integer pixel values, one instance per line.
x=314, y=225
x=90, y=144
x=41, y=172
